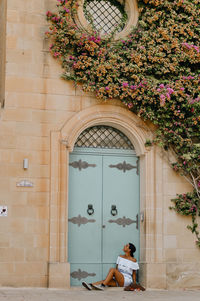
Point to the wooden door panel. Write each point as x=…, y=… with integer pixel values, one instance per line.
x=85, y=188
x=120, y=189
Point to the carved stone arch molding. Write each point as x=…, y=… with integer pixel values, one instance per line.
x=115, y=116
x=62, y=143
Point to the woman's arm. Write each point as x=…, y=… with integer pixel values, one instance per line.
x=134, y=276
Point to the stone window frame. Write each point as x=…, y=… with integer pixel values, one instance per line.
x=131, y=9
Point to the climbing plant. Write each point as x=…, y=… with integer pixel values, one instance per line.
x=154, y=71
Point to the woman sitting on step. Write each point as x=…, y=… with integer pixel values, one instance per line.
x=123, y=275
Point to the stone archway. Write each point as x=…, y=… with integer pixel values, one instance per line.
x=62, y=143
x=118, y=117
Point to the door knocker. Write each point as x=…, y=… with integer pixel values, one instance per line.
x=90, y=209
x=113, y=210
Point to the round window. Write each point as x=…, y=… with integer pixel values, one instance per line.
x=108, y=16
x=105, y=16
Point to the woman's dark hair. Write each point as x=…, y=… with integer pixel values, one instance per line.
x=132, y=248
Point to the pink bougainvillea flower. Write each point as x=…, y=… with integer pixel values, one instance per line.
x=48, y=13
x=170, y=91
x=130, y=105
x=133, y=87
x=162, y=98
x=66, y=9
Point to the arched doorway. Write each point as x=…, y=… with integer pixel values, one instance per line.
x=103, y=206
x=151, y=195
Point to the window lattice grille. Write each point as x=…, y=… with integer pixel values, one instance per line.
x=103, y=137
x=104, y=15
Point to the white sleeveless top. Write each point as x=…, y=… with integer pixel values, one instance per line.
x=126, y=266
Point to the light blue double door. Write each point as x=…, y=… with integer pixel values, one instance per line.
x=103, y=211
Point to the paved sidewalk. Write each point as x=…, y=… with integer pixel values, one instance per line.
x=81, y=294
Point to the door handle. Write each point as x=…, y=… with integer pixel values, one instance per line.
x=113, y=210
x=90, y=209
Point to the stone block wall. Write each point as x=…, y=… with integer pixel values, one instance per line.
x=2, y=50
x=37, y=104
x=181, y=254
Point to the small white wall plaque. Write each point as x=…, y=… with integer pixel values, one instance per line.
x=3, y=211
x=24, y=183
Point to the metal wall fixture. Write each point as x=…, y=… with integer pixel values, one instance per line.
x=25, y=163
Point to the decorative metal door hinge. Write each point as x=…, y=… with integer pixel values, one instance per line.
x=81, y=164
x=126, y=166
x=125, y=221
x=81, y=274
x=79, y=220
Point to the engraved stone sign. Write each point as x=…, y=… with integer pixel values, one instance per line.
x=24, y=183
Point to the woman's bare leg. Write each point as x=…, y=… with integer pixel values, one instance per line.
x=98, y=282
x=113, y=273
x=111, y=283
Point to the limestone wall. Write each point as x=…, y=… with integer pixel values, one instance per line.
x=38, y=105
x=36, y=102
x=181, y=255
x=2, y=49
x=176, y=255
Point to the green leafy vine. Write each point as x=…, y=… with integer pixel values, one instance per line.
x=154, y=71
